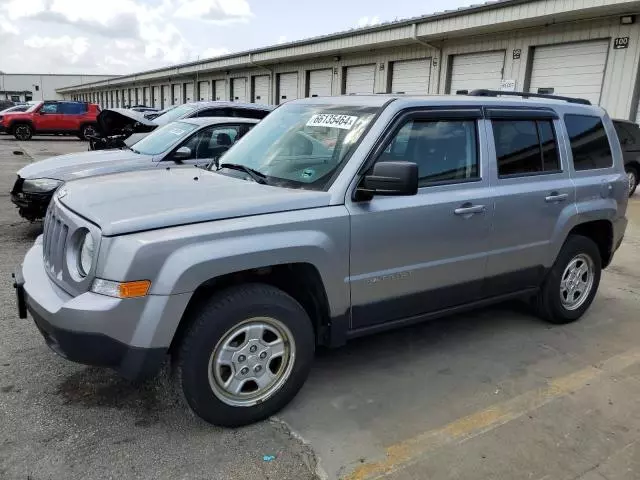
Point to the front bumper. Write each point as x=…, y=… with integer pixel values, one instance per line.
x=131, y=336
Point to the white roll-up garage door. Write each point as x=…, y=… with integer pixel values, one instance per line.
x=476, y=70
x=287, y=87
x=204, y=91
x=218, y=90
x=176, y=92
x=166, y=95
x=155, y=97
x=571, y=69
x=360, y=79
x=188, y=92
x=321, y=83
x=239, y=89
x=411, y=76
x=261, y=89
x=146, y=99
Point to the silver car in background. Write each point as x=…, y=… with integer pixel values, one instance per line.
x=193, y=141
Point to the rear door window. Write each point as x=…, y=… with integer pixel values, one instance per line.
x=589, y=142
x=250, y=113
x=525, y=147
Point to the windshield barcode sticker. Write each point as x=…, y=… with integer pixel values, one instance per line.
x=333, y=121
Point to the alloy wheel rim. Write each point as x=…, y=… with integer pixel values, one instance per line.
x=89, y=131
x=577, y=282
x=22, y=132
x=251, y=362
x=632, y=181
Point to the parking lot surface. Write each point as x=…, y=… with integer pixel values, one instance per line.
x=494, y=394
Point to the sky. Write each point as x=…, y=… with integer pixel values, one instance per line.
x=127, y=36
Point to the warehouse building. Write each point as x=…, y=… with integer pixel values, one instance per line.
x=23, y=87
x=582, y=48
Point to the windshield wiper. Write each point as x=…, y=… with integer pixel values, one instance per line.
x=257, y=176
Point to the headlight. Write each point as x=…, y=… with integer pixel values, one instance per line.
x=40, y=185
x=87, y=252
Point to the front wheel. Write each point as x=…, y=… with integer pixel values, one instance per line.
x=23, y=132
x=572, y=282
x=632, y=175
x=246, y=354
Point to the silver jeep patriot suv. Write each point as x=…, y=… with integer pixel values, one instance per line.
x=333, y=218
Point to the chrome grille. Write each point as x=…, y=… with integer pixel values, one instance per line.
x=54, y=242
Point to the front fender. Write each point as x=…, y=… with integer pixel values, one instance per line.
x=178, y=260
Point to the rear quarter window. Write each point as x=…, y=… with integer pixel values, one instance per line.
x=589, y=142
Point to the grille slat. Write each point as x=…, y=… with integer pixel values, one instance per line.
x=59, y=252
x=54, y=242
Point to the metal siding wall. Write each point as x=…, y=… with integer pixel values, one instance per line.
x=622, y=65
x=619, y=93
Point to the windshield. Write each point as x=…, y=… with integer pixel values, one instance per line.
x=33, y=107
x=301, y=146
x=173, y=114
x=164, y=138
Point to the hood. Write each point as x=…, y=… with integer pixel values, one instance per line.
x=117, y=121
x=84, y=164
x=137, y=201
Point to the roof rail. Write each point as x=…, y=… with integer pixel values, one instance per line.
x=495, y=93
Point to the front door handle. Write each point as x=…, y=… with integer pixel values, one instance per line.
x=468, y=209
x=556, y=197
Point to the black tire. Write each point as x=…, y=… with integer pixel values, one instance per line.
x=86, y=131
x=632, y=173
x=210, y=324
x=23, y=131
x=549, y=301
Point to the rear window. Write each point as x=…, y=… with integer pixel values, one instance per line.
x=589, y=142
x=72, y=108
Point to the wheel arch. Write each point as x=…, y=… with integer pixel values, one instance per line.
x=300, y=280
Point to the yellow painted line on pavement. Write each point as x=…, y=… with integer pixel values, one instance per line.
x=407, y=452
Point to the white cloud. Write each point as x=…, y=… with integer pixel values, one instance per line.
x=215, y=11
x=122, y=37
x=368, y=21
x=7, y=27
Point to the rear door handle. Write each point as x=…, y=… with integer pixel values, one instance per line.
x=468, y=209
x=556, y=197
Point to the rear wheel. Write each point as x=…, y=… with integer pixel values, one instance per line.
x=572, y=283
x=632, y=175
x=23, y=132
x=246, y=354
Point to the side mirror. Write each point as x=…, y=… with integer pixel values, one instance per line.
x=42, y=112
x=183, y=153
x=391, y=178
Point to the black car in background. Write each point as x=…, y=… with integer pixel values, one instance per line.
x=629, y=136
